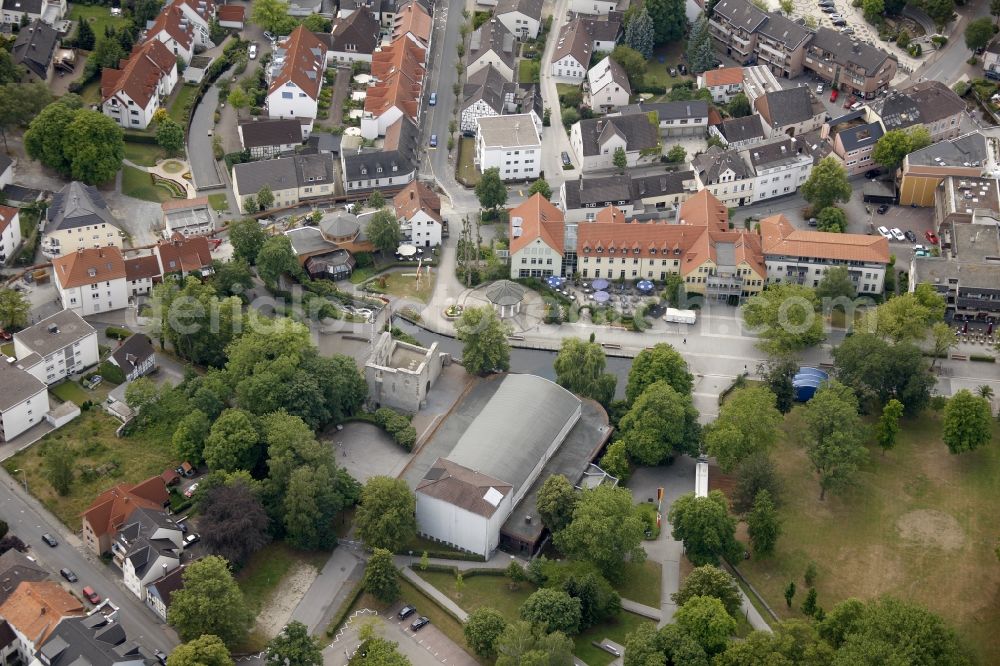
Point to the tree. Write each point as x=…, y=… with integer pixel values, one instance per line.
x=789, y=593
x=84, y=36
x=598, y=600
x=381, y=578
x=271, y=15
x=384, y=232
x=673, y=290
x=677, y=154
x=210, y=602
x=873, y=11
x=754, y=474
x=660, y=424
x=809, y=605
x=170, y=136
x=14, y=309
x=233, y=442
x=490, y=190
x=680, y=647
x=739, y=106
x=59, y=468
x=967, y=422
x=310, y=505
x=484, y=337
x=231, y=278
x=294, y=647
x=669, y=20
x=836, y=285
x=540, y=186
x=832, y=219
x=639, y=34
x=747, y=424
x=233, y=521
x=606, y=530
x=705, y=619
x=785, y=316
x=94, y=145
x=642, y=646
x=482, y=629
x=984, y=391
x=238, y=98
x=555, y=502
x=827, y=184
x=43, y=139
x=763, y=524
x=777, y=374
x=661, y=362
x=905, y=317
x=247, y=238
x=205, y=650
x=580, y=368
x=633, y=62
x=833, y=435
x=20, y=103
x=317, y=23
x=978, y=33
x=375, y=200
x=700, y=52
x=277, y=258
x=141, y=393
x=386, y=516
x=710, y=581
x=619, y=159
x=888, y=424
x=615, y=461
x=705, y=527
x=107, y=54
x=879, y=371
x=265, y=197
x=786, y=6
x=524, y=644
x=553, y=610
x=944, y=339
x=896, y=144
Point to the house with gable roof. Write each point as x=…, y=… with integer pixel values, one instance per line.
x=399, y=73
x=606, y=86
x=10, y=232
x=492, y=44
x=297, y=78
x=34, y=47
x=596, y=140
x=92, y=280
x=113, y=509
x=135, y=356
x=132, y=94
x=522, y=17
x=174, y=29
x=537, y=238
x=419, y=211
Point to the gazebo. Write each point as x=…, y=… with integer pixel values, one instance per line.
x=506, y=297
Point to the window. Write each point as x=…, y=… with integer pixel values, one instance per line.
x=286, y=95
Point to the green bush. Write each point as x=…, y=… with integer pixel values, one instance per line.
x=983, y=358
x=116, y=333
x=111, y=372
x=398, y=426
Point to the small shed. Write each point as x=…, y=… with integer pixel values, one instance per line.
x=232, y=16
x=506, y=297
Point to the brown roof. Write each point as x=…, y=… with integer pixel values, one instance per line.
x=412, y=18
x=778, y=236
x=463, y=487
x=139, y=75
x=704, y=209
x=89, y=266
x=233, y=13
x=416, y=197
x=725, y=76
x=181, y=204
x=36, y=607
x=399, y=69
x=204, y=8
x=574, y=40
x=609, y=215
x=180, y=254
x=540, y=219
x=169, y=20
x=7, y=215
x=304, y=54
x=746, y=249
x=651, y=239
x=114, y=506
x=142, y=268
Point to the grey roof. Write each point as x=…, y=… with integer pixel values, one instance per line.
x=77, y=205
x=515, y=429
x=134, y=351
x=775, y=153
x=696, y=108
x=846, y=50
x=325, y=142
x=741, y=13
x=784, y=30
x=924, y=102
x=34, y=47
x=283, y=173
x=860, y=136
x=493, y=36
x=488, y=85
x=972, y=245
x=145, y=552
x=55, y=332
x=967, y=150
x=18, y=385
x=529, y=98
x=164, y=586
x=93, y=640
x=591, y=192
x=742, y=129
x=846, y=118
x=715, y=160
x=28, y=6
x=574, y=39
x=604, y=29
x=314, y=169
x=532, y=8
x=505, y=293
x=659, y=185
x=815, y=144
x=508, y=131
x=790, y=106
x=358, y=33
x=270, y=132
x=308, y=240
x=400, y=161
x=15, y=567
x=636, y=129
x=339, y=223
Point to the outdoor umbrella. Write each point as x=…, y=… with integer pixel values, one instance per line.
x=554, y=281
x=644, y=285
x=600, y=284
x=602, y=296
x=406, y=250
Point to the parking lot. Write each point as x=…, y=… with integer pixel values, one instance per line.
x=916, y=220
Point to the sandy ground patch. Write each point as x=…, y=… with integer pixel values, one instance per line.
x=928, y=527
x=278, y=610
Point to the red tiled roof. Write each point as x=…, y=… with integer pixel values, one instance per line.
x=204, y=8
x=778, y=236
x=7, y=215
x=89, y=266
x=183, y=255
x=235, y=13
x=142, y=268
x=114, y=506
x=725, y=76
x=416, y=197
x=36, y=607
x=412, y=18
x=539, y=219
x=304, y=54
x=170, y=21
x=399, y=69
x=704, y=209
x=140, y=74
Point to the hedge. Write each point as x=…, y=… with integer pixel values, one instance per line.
x=117, y=333
x=398, y=426
x=983, y=358
x=345, y=609
x=445, y=555
x=111, y=372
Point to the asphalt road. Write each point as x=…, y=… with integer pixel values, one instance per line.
x=555, y=139
x=200, y=143
x=29, y=520
x=949, y=64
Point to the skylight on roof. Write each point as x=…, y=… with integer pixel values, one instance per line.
x=493, y=496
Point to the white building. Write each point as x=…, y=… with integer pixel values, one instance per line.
x=173, y=28
x=780, y=167
x=607, y=86
x=486, y=93
x=597, y=7
x=723, y=83
x=595, y=141
x=537, y=235
x=147, y=547
x=135, y=356
x=353, y=38
x=725, y=174
x=522, y=17
x=419, y=211
x=79, y=218
x=49, y=11
x=92, y=280
x=571, y=57
x=131, y=95
x=389, y=166
x=6, y=171
x=56, y=347
x=10, y=232
x=400, y=375
x=23, y=401
x=512, y=144
x=297, y=78
x=188, y=217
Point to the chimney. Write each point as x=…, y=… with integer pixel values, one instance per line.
x=527, y=519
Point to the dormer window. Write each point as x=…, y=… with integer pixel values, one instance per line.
x=652, y=251
x=364, y=171
x=92, y=272
x=635, y=251
x=378, y=169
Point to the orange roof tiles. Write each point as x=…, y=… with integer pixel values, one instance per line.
x=89, y=266
x=704, y=209
x=416, y=197
x=726, y=76
x=539, y=219
x=610, y=215
x=778, y=236
x=142, y=268
x=399, y=70
x=114, y=506
x=35, y=608
x=233, y=13
x=170, y=20
x=305, y=62
x=7, y=215
x=184, y=254
x=412, y=18
x=139, y=75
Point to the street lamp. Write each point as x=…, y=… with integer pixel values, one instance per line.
x=25, y=475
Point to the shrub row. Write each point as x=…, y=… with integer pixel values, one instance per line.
x=398, y=426
x=983, y=358
x=345, y=608
x=117, y=333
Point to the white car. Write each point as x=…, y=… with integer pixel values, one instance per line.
x=884, y=231
x=253, y=51
x=919, y=248
x=897, y=234
x=819, y=89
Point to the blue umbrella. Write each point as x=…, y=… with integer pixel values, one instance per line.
x=554, y=281
x=600, y=284
x=644, y=285
x=602, y=296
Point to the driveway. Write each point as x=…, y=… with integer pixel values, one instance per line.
x=203, y=166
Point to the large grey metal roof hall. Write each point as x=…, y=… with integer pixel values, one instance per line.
x=514, y=430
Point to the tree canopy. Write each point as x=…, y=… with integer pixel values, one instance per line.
x=210, y=602
x=710, y=581
x=205, y=650
x=978, y=33
x=669, y=19
x=748, y=423
x=386, y=515
x=660, y=424
x=384, y=231
x=233, y=521
x=78, y=143
x=490, y=190
x=381, y=578
x=786, y=318
x=968, y=422
x=827, y=184
x=523, y=644
x=294, y=647
x=605, y=530
x=247, y=238
x=639, y=33
x=483, y=629
x=896, y=144
x=580, y=368
x=662, y=362
x=706, y=621
x=833, y=436
x=553, y=610
x=878, y=370
x=556, y=501
x=14, y=309
x=705, y=527
x=484, y=335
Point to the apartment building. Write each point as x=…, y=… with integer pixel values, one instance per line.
x=23, y=402
x=850, y=65
x=296, y=78
x=968, y=156
x=928, y=104
x=853, y=140
x=792, y=111
x=967, y=274
x=399, y=72
x=537, y=239
x=780, y=167
x=522, y=17
x=512, y=144
x=132, y=94
x=56, y=347
x=960, y=200
x=91, y=280
x=595, y=141
x=781, y=46
x=725, y=174
x=734, y=26
x=10, y=232
x=419, y=211
x=723, y=83
x=388, y=167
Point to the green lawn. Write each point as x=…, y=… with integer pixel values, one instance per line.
x=404, y=284
x=615, y=631
x=362, y=274
x=98, y=16
x=7, y=349
x=920, y=524
x=143, y=154
x=466, y=171
x=659, y=74
x=185, y=92
x=479, y=591
x=91, y=93
x=219, y=202
x=528, y=71
x=642, y=583
x=268, y=566
x=70, y=391
x=139, y=184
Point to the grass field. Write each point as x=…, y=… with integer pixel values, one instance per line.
x=139, y=184
x=528, y=71
x=92, y=439
x=616, y=631
x=920, y=525
x=268, y=566
x=219, y=202
x=70, y=391
x=143, y=154
x=641, y=583
x=466, y=171
x=91, y=93
x=184, y=93
x=98, y=16
x=406, y=286
x=479, y=591
x=658, y=74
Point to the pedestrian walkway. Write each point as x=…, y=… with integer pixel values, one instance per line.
x=641, y=609
x=435, y=594
x=323, y=598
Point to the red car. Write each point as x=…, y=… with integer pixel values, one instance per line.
x=931, y=237
x=833, y=95
x=91, y=596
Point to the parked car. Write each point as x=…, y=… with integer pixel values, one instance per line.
x=253, y=51
x=828, y=9
x=406, y=611
x=884, y=231
x=91, y=596
x=847, y=31
x=918, y=247
x=833, y=95
x=161, y=657
x=420, y=623
x=921, y=253
x=683, y=69
x=94, y=382
x=882, y=209
x=191, y=490
x=813, y=221
x=468, y=134
x=910, y=236
x=931, y=237
x=434, y=140
x=839, y=22
x=897, y=234
x=269, y=37
x=50, y=540
x=565, y=158
x=5, y=336
x=191, y=539
x=872, y=173
x=819, y=88
x=68, y=575
x=433, y=99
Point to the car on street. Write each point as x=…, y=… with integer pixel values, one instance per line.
x=884, y=231
x=161, y=657
x=565, y=158
x=819, y=88
x=882, y=209
x=434, y=140
x=433, y=99
x=50, y=540
x=269, y=37
x=847, y=31
x=68, y=575
x=828, y=9
x=833, y=95
x=931, y=237
x=420, y=623
x=406, y=611
x=191, y=539
x=921, y=253
x=918, y=247
x=191, y=490
x=897, y=234
x=910, y=236
x=91, y=596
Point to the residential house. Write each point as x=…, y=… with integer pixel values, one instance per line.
x=598, y=7
x=10, y=232
x=607, y=86
x=723, y=83
x=930, y=104
x=687, y=118
x=134, y=356
x=387, y=168
x=290, y=179
x=850, y=65
x=581, y=199
x=297, y=78
x=232, y=17
x=399, y=72
x=966, y=274
x=537, y=237
x=780, y=167
x=132, y=94
x=663, y=192
x=757, y=82
x=968, y=156
x=270, y=137
x=412, y=20
x=188, y=217
x=6, y=171
x=353, y=39
x=142, y=273
x=14, y=12
x=604, y=31
x=199, y=13
x=97, y=639
x=419, y=211
x=725, y=174
x=803, y=257
x=34, y=610
x=147, y=546
x=184, y=255
x=571, y=57
x=734, y=26
x=791, y=111
x=23, y=404
x=960, y=200
x=34, y=47
x=512, y=144
x=91, y=280
x=16, y=568
x=492, y=44
x=173, y=28
x=486, y=93
x=113, y=509
x=522, y=17
x=160, y=592
x=740, y=133
x=781, y=45
x=596, y=140
x=60, y=345
x=853, y=141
